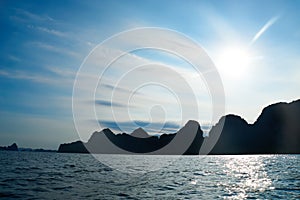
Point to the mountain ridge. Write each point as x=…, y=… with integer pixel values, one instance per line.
x=276, y=130
x=106, y=141
x=140, y=133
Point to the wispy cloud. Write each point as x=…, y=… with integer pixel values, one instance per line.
x=109, y=103
x=14, y=58
x=151, y=127
x=264, y=28
x=24, y=75
x=158, y=83
x=4, y=73
x=49, y=31
x=39, y=78
x=120, y=89
x=62, y=71
x=25, y=14
x=56, y=49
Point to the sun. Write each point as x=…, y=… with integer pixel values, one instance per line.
x=233, y=62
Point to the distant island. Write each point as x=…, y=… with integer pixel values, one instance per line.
x=14, y=147
x=276, y=131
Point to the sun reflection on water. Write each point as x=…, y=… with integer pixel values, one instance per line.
x=251, y=173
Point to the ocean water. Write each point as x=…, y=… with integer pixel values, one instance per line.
x=33, y=175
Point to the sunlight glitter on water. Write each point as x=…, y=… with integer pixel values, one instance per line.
x=251, y=173
x=34, y=175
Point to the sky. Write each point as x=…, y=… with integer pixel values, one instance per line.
x=253, y=44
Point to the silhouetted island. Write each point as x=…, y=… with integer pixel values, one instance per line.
x=13, y=147
x=139, y=141
x=276, y=131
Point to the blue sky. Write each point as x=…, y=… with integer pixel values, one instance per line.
x=44, y=43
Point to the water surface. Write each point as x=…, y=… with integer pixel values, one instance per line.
x=34, y=175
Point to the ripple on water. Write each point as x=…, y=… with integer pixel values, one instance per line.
x=31, y=175
x=9, y=195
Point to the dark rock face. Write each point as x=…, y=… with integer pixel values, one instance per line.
x=277, y=130
x=74, y=147
x=13, y=147
x=188, y=141
x=190, y=128
x=234, y=136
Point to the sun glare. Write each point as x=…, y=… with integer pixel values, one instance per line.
x=233, y=62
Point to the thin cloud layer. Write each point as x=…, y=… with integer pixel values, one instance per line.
x=156, y=128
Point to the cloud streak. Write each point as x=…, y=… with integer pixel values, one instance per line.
x=32, y=16
x=48, y=31
x=264, y=28
x=39, y=78
x=109, y=103
x=151, y=127
x=56, y=49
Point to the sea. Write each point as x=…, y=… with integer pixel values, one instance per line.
x=48, y=175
